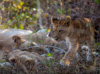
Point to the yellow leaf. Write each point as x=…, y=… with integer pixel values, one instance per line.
x=24, y=8
x=18, y=11
x=48, y=30
x=14, y=17
x=19, y=6
x=46, y=15
x=68, y=16
x=21, y=3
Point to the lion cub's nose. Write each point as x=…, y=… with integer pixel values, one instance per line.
x=56, y=38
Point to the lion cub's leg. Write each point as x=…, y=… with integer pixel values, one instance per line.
x=70, y=53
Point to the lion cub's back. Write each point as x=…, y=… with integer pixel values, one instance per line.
x=85, y=30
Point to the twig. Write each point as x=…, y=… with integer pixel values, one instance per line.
x=43, y=46
x=82, y=55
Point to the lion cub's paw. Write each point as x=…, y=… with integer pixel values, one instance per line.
x=65, y=62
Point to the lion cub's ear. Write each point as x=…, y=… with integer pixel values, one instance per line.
x=54, y=19
x=17, y=39
x=67, y=21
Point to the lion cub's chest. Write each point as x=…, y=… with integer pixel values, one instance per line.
x=68, y=42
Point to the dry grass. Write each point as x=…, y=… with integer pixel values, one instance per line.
x=52, y=66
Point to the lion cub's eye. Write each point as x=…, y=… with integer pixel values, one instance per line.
x=60, y=31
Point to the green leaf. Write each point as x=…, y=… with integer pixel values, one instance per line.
x=34, y=31
x=98, y=43
x=97, y=1
x=3, y=60
x=17, y=17
x=21, y=27
x=59, y=11
x=39, y=40
x=69, y=11
x=89, y=24
x=9, y=21
x=63, y=11
x=49, y=54
x=48, y=30
x=99, y=70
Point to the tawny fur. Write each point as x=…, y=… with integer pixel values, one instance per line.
x=13, y=39
x=26, y=58
x=6, y=40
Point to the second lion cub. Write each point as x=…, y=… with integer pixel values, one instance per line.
x=75, y=31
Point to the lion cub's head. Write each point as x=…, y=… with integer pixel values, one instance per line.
x=61, y=26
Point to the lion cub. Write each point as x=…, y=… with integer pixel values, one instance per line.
x=74, y=31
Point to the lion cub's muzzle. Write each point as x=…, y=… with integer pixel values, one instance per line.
x=56, y=39
x=59, y=39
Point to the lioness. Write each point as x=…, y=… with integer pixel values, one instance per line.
x=15, y=39
x=8, y=39
x=75, y=31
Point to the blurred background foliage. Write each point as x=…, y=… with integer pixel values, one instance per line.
x=36, y=14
